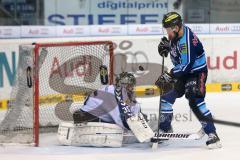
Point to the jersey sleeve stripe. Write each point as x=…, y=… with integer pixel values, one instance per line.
x=189, y=50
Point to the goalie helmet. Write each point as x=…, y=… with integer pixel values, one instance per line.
x=126, y=80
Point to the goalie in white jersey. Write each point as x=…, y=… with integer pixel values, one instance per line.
x=104, y=105
x=113, y=106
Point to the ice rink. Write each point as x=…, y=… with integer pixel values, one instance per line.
x=224, y=106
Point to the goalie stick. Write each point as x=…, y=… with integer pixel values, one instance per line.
x=155, y=144
x=178, y=136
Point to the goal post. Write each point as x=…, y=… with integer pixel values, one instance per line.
x=51, y=76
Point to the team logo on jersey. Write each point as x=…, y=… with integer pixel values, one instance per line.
x=183, y=48
x=195, y=40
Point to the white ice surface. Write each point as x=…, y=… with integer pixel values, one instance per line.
x=223, y=105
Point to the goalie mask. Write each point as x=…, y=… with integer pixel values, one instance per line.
x=126, y=80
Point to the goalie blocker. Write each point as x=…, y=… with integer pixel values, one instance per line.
x=140, y=127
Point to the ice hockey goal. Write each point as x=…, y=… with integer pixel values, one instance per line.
x=49, y=78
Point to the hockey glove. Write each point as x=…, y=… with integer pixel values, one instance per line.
x=165, y=78
x=164, y=47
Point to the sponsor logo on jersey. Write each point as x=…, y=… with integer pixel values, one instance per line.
x=183, y=48
x=195, y=40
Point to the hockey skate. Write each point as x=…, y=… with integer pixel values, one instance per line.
x=213, y=141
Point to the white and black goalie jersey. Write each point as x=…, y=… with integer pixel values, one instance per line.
x=105, y=105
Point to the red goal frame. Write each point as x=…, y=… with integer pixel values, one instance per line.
x=36, y=76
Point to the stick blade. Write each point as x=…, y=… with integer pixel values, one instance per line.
x=154, y=146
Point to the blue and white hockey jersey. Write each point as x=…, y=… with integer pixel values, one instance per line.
x=187, y=54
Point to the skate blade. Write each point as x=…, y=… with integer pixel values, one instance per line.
x=215, y=145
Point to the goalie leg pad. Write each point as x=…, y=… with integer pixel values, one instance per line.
x=94, y=134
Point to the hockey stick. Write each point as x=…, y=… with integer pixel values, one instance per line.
x=178, y=136
x=155, y=144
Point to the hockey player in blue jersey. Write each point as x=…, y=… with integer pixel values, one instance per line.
x=188, y=75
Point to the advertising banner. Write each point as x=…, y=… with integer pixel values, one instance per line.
x=138, y=54
x=37, y=31
x=138, y=29
x=108, y=30
x=105, y=12
x=225, y=28
x=72, y=31
x=10, y=32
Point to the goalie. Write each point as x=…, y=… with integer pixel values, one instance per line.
x=106, y=113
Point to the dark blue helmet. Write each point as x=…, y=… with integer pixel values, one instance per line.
x=172, y=19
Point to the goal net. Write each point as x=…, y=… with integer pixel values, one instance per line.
x=49, y=78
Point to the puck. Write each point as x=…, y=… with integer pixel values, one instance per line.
x=141, y=68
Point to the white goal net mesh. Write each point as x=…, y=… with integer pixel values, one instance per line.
x=51, y=77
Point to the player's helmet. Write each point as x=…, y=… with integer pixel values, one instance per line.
x=126, y=80
x=172, y=19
